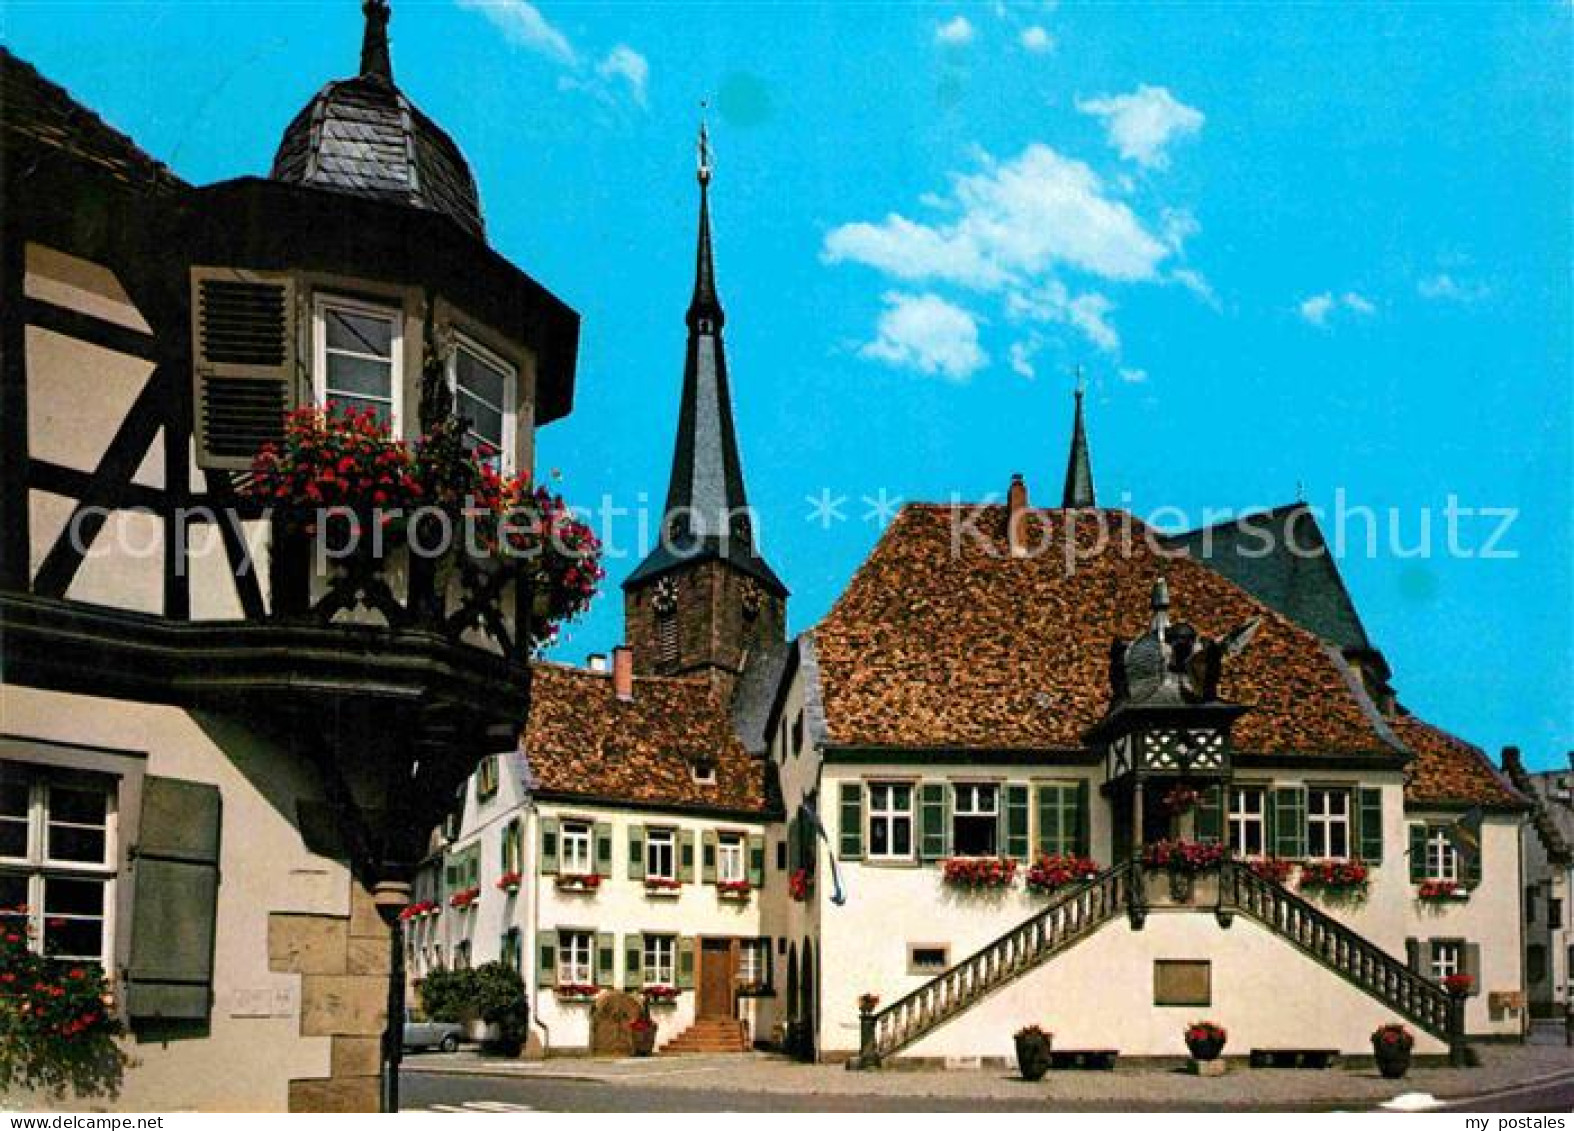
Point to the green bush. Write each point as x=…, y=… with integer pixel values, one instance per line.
x=444, y=994
x=494, y=993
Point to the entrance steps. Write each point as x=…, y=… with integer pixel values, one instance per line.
x=710, y=1035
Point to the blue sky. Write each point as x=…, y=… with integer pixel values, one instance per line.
x=1294, y=246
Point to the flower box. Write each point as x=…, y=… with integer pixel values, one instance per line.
x=660, y=994
x=1189, y=856
x=1049, y=874
x=1335, y=879
x=979, y=873
x=570, y=992
x=663, y=888
x=1459, y=984
x=1442, y=891
x=738, y=890
x=585, y=883
x=463, y=899
x=1274, y=869
x=1180, y=800
x=509, y=882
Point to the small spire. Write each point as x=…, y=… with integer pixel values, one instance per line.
x=1079, y=491
x=375, y=60
x=1159, y=601
x=705, y=303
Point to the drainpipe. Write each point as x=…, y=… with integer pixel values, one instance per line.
x=532, y=887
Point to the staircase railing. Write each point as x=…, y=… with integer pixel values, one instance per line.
x=1071, y=916
x=1363, y=963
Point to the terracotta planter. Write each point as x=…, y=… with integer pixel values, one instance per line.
x=645, y=1041
x=1032, y=1055
x=1205, y=1050
x=1393, y=1061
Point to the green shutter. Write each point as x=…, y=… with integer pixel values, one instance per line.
x=686, y=856
x=756, y=860
x=546, y=959
x=633, y=959
x=1017, y=838
x=549, y=842
x=1210, y=815
x=1472, y=860
x=1417, y=853
x=1270, y=823
x=1051, y=837
x=636, y=852
x=1473, y=966
x=685, y=963
x=606, y=957
x=175, y=889
x=1290, y=822
x=1413, y=956
x=603, y=832
x=1371, y=813
x=850, y=826
x=1082, y=837
x=932, y=821
x=708, y=857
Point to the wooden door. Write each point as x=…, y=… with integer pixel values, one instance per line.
x=716, y=977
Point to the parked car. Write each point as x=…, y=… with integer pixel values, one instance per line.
x=443, y=1035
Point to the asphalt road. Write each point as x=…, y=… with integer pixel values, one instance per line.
x=482, y=1094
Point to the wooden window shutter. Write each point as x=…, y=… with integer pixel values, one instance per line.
x=1051, y=837
x=767, y=961
x=603, y=832
x=708, y=858
x=1289, y=805
x=1417, y=853
x=1472, y=957
x=1017, y=838
x=546, y=956
x=1470, y=861
x=175, y=878
x=633, y=960
x=549, y=842
x=1210, y=814
x=686, y=857
x=606, y=957
x=685, y=963
x=636, y=852
x=932, y=798
x=1370, y=811
x=756, y=860
x=851, y=822
x=1413, y=956
x=243, y=351
x=1082, y=841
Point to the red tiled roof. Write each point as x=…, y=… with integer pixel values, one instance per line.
x=1448, y=770
x=582, y=740
x=948, y=642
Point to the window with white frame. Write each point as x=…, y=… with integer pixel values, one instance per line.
x=576, y=859
x=661, y=856
x=975, y=818
x=1248, y=831
x=483, y=385
x=1448, y=958
x=754, y=962
x=890, y=821
x=576, y=958
x=359, y=350
x=1328, y=823
x=1442, y=858
x=730, y=865
x=57, y=860
x=660, y=960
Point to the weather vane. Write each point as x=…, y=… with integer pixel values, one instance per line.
x=705, y=158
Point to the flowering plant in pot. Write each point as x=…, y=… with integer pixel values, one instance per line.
x=509, y=882
x=418, y=910
x=979, y=873
x=1391, y=1045
x=643, y=1028
x=868, y=1002
x=1205, y=1040
x=1188, y=857
x=1033, y=1048
x=1051, y=873
x=799, y=885
x=464, y=898
x=1459, y=984
x=1274, y=869
x=1181, y=799
x=1336, y=879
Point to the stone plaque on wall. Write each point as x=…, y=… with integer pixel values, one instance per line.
x=1177, y=982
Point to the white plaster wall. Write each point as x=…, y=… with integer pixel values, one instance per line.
x=245, y=1062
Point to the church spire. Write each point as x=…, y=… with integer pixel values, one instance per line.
x=375, y=60
x=705, y=304
x=1079, y=466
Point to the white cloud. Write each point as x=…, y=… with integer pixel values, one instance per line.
x=1444, y=287
x=1134, y=376
x=522, y=23
x=1021, y=357
x=955, y=32
x=1318, y=309
x=1037, y=40
x=1194, y=282
x=929, y=334
x=628, y=65
x=1053, y=302
x=1142, y=124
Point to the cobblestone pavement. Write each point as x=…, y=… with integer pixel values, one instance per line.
x=1503, y=1066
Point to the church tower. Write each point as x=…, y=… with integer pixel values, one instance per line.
x=704, y=601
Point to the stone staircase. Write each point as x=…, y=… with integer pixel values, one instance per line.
x=710, y=1035
x=1077, y=914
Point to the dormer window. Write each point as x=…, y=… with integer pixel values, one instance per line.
x=359, y=351
x=483, y=385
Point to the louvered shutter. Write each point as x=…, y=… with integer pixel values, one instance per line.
x=1413, y=956
x=1473, y=966
x=546, y=959
x=1289, y=806
x=633, y=961
x=1082, y=839
x=1417, y=853
x=636, y=852
x=932, y=818
x=756, y=860
x=1017, y=839
x=685, y=963
x=175, y=888
x=606, y=957
x=708, y=857
x=243, y=329
x=1371, y=816
x=850, y=825
x=1472, y=861
x=603, y=833
x=686, y=856
x=1210, y=815
x=549, y=843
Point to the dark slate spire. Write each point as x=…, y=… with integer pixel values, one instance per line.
x=375, y=60
x=707, y=512
x=1079, y=467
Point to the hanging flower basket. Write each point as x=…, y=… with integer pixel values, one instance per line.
x=1205, y=1040
x=1391, y=1045
x=466, y=898
x=1181, y=799
x=509, y=882
x=737, y=890
x=979, y=873
x=799, y=885
x=1048, y=874
x=586, y=882
x=661, y=886
x=1335, y=879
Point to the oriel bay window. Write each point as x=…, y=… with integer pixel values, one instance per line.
x=358, y=355
x=975, y=819
x=890, y=821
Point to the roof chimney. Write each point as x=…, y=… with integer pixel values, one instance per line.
x=623, y=672
x=1511, y=760
x=1016, y=512
x=597, y=662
